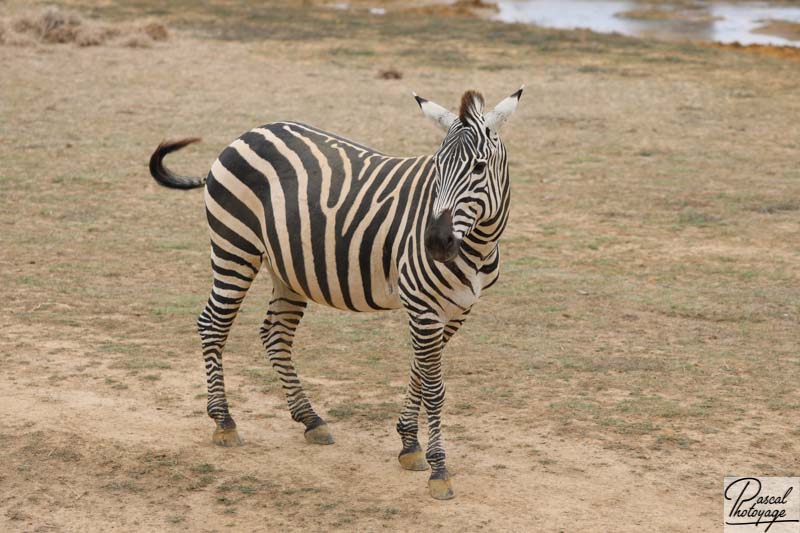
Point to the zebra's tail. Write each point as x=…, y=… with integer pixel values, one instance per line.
x=165, y=176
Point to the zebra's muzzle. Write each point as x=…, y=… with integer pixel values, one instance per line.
x=440, y=242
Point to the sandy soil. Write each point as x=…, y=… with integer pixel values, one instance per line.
x=641, y=344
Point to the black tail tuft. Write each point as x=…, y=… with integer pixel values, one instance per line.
x=165, y=176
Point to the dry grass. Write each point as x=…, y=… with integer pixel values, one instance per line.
x=780, y=52
x=642, y=339
x=54, y=25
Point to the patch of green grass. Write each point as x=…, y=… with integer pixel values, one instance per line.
x=116, y=347
x=390, y=513
x=625, y=427
x=177, y=246
x=259, y=374
x=548, y=229
x=327, y=506
x=694, y=311
x=693, y=217
x=245, y=485
x=782, y=405
x=225, y=500
x=652, y=406
x=345, y=51
x=463, y=408
x=775, y=206
x=600, y=363
x=681, y=441
x=180, y=305
x=244, y=489
x=201, y=482
x=574, y=406
x=665, y=59
x=342, y=411
x=205, y=468
x=584, y=159
x=141, y=363
x=495, y=67
x=590, y=69
x=158, y=460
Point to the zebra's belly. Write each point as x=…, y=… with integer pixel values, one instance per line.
x=382, y=298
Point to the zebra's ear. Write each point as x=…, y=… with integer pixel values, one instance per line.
x=439, y=115
x=503, y=111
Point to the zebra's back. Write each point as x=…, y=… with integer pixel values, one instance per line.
x=331, y=216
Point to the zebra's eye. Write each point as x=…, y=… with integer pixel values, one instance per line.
x=479, y=167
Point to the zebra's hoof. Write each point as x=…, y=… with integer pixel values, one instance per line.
x=226, y=437
x=441, y=487
x=319, y=435
x=413, y=459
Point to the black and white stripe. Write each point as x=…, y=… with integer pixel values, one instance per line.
x=340, y=224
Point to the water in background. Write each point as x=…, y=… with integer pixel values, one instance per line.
x=717, y=21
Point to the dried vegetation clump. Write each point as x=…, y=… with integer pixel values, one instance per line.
x=56, y=26
x=469, y=8
x=390, y=74
x=783, y=52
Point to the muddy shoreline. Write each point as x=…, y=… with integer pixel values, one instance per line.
x=674, y=20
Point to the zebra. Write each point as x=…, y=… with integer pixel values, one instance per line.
x=340, y=224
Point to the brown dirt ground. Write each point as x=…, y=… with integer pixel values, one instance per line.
x=642, y=342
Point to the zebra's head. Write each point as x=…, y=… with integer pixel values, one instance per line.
x=471, y=175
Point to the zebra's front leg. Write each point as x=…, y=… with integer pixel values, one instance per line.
x=411, y=456
x=427, y=334
x=277, y=334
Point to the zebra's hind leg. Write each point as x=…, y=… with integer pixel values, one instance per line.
x=232, y=279
x=277, y=333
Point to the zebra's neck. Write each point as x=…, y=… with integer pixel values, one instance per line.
x=482, y=241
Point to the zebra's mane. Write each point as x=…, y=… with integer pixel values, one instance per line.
x=471, y=106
